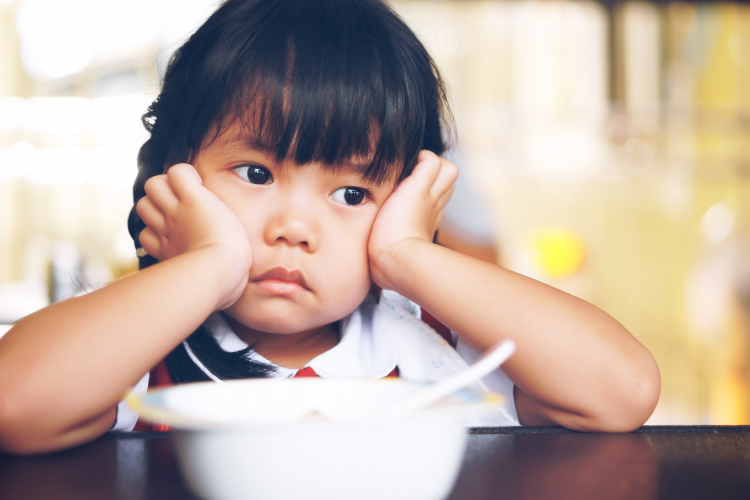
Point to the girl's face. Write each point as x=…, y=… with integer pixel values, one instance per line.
x=308, y=229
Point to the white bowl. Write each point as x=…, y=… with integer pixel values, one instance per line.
x=266, y=438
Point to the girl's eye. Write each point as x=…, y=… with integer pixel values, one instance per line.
x=349, y=195
x=254, y=174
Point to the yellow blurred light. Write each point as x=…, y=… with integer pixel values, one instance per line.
x=718, y=222
x=557, y=252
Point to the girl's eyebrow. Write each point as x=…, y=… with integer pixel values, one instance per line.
x=238, y=142
x=354, y=166
x=250, y=143
x=257, y=146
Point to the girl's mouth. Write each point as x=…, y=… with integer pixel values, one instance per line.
x=281, y=281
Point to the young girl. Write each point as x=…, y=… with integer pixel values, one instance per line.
x=294, y=171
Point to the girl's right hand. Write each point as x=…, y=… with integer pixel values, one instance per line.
x=183, y=216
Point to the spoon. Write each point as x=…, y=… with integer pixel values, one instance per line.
x=490, y=360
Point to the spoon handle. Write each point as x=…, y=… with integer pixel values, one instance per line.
x=490, y=360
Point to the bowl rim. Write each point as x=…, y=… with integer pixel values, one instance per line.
x=151, y=405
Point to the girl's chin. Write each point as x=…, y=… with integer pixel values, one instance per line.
x=277, y=324
x=286, y=317
x=281, y=329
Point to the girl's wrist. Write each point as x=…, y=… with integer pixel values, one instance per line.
x=396, y=267
x=228, y=271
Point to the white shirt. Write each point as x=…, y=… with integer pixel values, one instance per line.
x=377, y=337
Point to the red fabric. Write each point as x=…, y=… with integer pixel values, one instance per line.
x=305, y=372
x=436, y=325
x=159, y=376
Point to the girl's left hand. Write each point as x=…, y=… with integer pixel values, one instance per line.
x=412, y=212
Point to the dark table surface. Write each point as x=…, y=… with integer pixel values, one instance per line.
x=509, y=463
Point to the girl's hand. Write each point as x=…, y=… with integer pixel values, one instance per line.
x=412, y=212
x=183, y=216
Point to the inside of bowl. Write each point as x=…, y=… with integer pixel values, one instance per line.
x=271, y=400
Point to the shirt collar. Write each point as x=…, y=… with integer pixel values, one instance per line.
x=365, y=350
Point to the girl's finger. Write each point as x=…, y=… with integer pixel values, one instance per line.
x=151, y=243
x=427, y=170
x=183, y=179
x=150, y=214
x=443, y=200
x=426, y=154
x=439, y=220
x=445, y=180
x=161, y=195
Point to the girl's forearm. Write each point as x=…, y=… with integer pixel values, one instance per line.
x=575, y=365
x=64, y=368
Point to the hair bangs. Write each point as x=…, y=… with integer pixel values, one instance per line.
x=327, y=85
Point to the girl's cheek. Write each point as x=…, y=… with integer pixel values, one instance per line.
x=350, y=248
x=250, y=211
x=254, y=222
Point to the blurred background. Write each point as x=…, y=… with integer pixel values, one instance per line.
x=607, y=142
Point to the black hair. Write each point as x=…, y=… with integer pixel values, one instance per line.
x=327, y=81
x=224, y=365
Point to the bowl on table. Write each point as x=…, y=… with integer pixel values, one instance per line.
x=313, y=438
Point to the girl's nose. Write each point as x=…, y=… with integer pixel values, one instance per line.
x=294, y=227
